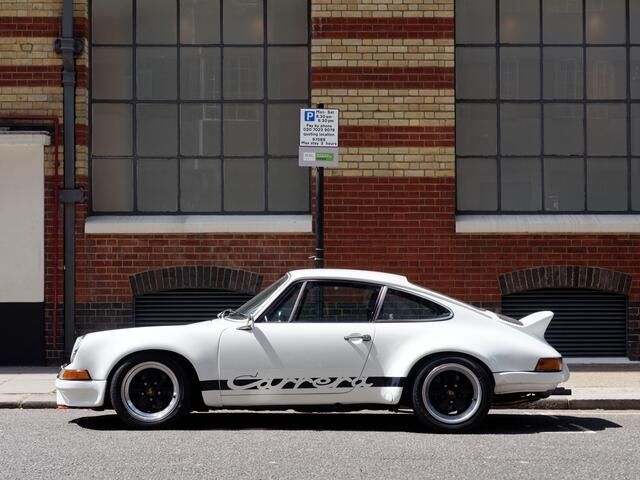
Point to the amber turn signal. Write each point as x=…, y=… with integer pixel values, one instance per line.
x=549, y=365
x=75, y=375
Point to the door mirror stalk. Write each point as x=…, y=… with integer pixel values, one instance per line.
x=249, y=325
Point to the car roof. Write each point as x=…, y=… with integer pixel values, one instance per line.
x=346, y=274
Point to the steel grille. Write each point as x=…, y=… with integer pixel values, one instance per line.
x=177, y=307
x=586, y=323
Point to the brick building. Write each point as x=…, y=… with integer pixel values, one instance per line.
x=490, y=150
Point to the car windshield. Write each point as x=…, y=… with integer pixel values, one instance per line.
x=249, y=308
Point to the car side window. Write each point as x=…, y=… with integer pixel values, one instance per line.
x=336, y=302
x=403, y=307
x=281, y=310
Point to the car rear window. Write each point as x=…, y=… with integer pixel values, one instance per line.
x=404, y=307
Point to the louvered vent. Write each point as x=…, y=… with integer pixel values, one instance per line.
x=586, y=323
x=177, y=307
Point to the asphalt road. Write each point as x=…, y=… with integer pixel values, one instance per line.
x=537, y=445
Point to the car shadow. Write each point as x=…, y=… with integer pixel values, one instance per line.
x=494, y=424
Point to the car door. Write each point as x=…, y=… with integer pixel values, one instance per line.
x=315, y=339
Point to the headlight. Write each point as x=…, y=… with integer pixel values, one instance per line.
x=76, y=346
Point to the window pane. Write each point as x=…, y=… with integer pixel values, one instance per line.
x=521, y=184
x=606, y=73
x=112, y=129
x=635, y=129
x=243, y=73
x=477, y=180
x=606, y=21
x=287, y=21
x=200, y=185
x=112, y=185
x=475, y=21
x=281, y=311
x=476, y=129
x=337, y=302
x=635, y=72
x=244, y=184
x=634, y=21
x=635, y=183
x=563, y=73
x=606, y=129
x=288, y=185
x=156, y=73
x=563, y=129
x=476, y=72
x=520, y=73
x=111, y=21
x=200, y=130
x=519, y=21
x=288, y=73
x=401, y=306
x=520, y=133
x=157, y=129
x=243, y=21
x=283, y=125
x=158, y=185
x=607, y=184
x=564, y=184
x=243, y=129
x=200, y=76
x=200, y=21
x=156, y=21
x=562, y=21
x=111, y=73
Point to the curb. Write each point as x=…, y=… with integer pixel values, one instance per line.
x=546, y=404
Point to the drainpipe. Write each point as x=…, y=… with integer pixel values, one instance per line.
x=69, y=47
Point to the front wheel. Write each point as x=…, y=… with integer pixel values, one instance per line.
x=150, y=390
x=451, y=394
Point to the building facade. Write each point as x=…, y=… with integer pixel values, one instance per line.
x=490, y=150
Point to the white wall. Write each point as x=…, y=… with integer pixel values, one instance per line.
x=22, y=217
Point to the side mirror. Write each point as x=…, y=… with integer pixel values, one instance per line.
x=249, y=325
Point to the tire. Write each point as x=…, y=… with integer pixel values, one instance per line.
x=150, y=390
x=451, y=394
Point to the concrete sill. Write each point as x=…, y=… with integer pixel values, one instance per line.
x=127, y=224
x=548, y=224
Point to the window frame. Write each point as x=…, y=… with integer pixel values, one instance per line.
x=497, y=101
x=133, y=102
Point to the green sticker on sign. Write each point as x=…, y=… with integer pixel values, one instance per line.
x=324, y=157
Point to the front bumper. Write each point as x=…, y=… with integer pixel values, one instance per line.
x=82, y=394
x=529, y=382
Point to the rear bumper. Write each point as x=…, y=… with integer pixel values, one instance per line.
x=83, y=394
x=528, y=382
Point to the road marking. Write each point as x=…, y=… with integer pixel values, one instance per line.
x=580, y=427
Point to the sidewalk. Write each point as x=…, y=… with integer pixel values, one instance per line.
x=607, y=387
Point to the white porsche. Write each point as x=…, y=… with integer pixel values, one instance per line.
x=322, y=339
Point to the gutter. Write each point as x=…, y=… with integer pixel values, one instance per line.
x=69, y=47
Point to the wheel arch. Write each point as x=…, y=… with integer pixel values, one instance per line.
x=193, y=378
x=405, y=398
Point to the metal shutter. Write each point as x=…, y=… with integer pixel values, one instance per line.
x=177, y=307
x=587, y=323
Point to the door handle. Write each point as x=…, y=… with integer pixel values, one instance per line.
x=357, y=336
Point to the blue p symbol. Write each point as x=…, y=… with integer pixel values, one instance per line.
x=309, y=116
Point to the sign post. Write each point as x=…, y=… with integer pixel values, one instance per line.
x=319, y=148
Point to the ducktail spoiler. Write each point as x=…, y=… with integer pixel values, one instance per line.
x=536, y=323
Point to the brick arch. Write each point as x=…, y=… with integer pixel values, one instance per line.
x=565, y=276
x=174, y=278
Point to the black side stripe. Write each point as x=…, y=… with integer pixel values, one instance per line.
x=218, y=385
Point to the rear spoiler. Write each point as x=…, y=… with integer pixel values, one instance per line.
x=536, y=323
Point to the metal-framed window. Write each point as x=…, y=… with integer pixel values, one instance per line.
x=548, y=106
x=195, y=106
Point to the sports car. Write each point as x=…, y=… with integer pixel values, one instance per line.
x=322, y=339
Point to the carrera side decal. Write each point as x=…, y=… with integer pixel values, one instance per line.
x=251, y=382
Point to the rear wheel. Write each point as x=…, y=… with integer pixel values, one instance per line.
x=451, y=394
x=150, y=390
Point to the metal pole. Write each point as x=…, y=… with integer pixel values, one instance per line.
x=320, y=212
